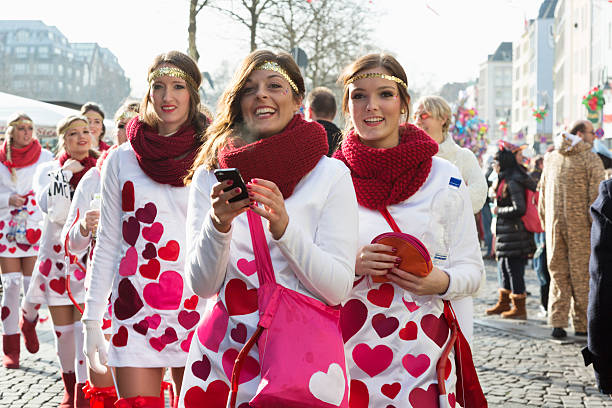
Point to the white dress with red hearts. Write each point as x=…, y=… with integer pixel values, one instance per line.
x=315, y=256
x=393, y=339
x=48, y=284
x=139, y=260
x=23, y=187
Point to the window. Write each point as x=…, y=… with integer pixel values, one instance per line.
x=60, y=85
x=20, y=68
x=43, y=69
x=69, y=72
x=43, y=52
x=60, y=69
x=57, y=51
x=21, y=52
x=22, y=36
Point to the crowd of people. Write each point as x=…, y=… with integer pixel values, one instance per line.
x=149, y=260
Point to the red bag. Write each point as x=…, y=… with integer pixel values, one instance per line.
x=531, y=219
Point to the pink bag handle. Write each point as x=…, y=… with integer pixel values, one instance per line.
x=385, y=213
x=265, y=271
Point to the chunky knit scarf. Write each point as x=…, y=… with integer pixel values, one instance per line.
x=87, y=163
x=165, y=159
x=24, y=157
x=103, y=146
x=284, y=158
x=384, y=177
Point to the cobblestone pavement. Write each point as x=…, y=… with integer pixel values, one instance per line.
x=519, y=364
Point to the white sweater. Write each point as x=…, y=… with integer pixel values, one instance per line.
x=470, y=170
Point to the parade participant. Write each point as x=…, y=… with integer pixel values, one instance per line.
x=513, y=243
x=95, y=116
x=86, y=207
x=20, y=226
x=54, y=185
x=306, y=198
x=394, y=331
x=141, y=244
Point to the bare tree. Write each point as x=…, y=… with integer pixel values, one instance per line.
x=195, y=6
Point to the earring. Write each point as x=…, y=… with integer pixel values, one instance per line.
x=403, y=111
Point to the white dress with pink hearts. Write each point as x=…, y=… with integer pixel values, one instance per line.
x=23, y=187
x=393, y=339
x=139, y=259
x=315, y=256
x=48, y=285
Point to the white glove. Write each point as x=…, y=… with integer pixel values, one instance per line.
x=95, y=346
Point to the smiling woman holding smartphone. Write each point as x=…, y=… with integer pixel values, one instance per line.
x=306, y=200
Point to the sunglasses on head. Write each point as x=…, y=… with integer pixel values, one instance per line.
x=422, y=115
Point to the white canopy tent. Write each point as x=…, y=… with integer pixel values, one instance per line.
x=45, y=116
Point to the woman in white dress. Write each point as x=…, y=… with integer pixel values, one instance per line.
x=20, y=232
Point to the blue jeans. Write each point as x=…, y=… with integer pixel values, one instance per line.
x=541, y=268
x=486, y=216
x=511, y=274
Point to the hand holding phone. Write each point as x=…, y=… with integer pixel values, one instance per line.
x=237, y=181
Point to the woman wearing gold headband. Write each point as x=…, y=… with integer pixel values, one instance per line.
x=95, y=116
x=392, y=328
x=140, y=250
x=54, y=186
x=79, y=229
x=20, y=231
x=307, y=202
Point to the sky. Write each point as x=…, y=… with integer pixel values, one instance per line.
x=436, y=41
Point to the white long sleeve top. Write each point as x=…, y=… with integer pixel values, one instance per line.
x=470, y=170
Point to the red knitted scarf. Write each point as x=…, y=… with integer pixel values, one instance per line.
x=284, y=158
x=24, y=157
x=165, y=159
x=104, y=155
x=103, y=146
x=87, y=163
x=388, y=176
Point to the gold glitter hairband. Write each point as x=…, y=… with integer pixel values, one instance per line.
x=128, y=114
x=273, y=66
x=377, y=75
x=172, y=72
x=21, y=122
x=75, y=124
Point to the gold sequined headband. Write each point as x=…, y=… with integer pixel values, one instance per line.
x=76, y=124
x=377, y=75
x=21, y=121
x=273, y=66
x=172, y=72
x=128, y=114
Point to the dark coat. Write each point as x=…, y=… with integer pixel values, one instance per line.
x=599, y=312
x=334, y=135
x=512, y=239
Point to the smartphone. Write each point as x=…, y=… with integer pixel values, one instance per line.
x=234, y=175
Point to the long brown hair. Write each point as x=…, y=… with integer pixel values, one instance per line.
x=9, y=139
x=229, y=115
x=189, y=66
x=94, y=107
x=368, y=62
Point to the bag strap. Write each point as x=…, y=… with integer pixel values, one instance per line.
x=385, y=213
x=265, y=271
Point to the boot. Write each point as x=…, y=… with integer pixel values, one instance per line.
x=10, y=346
x=80, y=399
x=28, y=329
x=100, y=397
x=503, y=303
x=519, y=311
x=140, y=402
x=69, y=380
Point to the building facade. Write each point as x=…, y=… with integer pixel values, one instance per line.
x=38, y=62
x=495, y=89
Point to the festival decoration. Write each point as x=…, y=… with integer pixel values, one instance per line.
x=539, y=113
x=593, y=100
x=503, y=126
x=469, y=130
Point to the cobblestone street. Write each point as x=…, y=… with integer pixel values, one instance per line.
x=518, y=362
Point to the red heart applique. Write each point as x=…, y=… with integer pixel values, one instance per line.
x=59, y=265
x=188, y=319
x=128, y=302
x=409, y=332
x=153, y=321
x=149, y=252
x=452, y=400
x=436, y=328
x=128, y=264
x=425, y=398
x=169, y=336
x=416, y=365
x=58, y=285
x=383, y=296
x=214, y=326
x=372, y=361
x=353, y=315
x=2, y=247
x=131, y=230
x=5, y=312
x=33, y=235
x=121, y=337
x=45, y=267
x=170, y=252
x=239, y=299
x=250, y=367
x=411, y=306
x=1, y=225
x=247, y=267
x=127, y=197
x=12, y=250
x=383, y=325
x=191, y=303
x=153, y=233
x=447, y=369
x=141, y=327
x=239, y=333
x=391, y=390
x=151, y=269
x=167, y=294
x=359, y=396
x=23, y=247
x=201, y=368
x=215, y=396
x=57, y=248
x=185, y=344
x=147, y=214
x=106, y=323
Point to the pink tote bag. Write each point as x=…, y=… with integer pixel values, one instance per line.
x=301, y=352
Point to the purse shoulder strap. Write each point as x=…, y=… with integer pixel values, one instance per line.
x=265, y=271
x=385, y=213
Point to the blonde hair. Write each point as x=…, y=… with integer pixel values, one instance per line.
x=437, y=107
x=63, y=126
x=229, y=115
x=9, y=140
